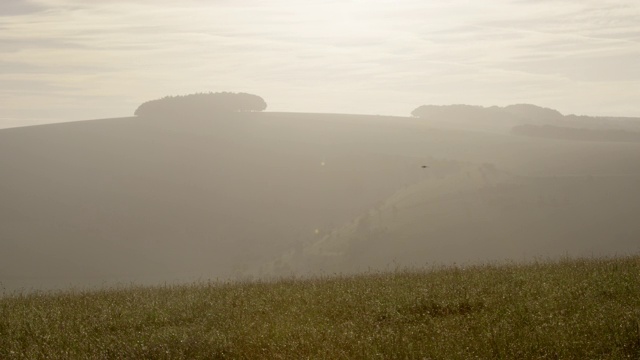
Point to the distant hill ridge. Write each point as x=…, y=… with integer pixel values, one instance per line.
x=511, y=116
x=567, y=133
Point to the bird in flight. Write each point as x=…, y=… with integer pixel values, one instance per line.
x=424, y=166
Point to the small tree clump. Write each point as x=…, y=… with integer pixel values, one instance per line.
x=202, y=103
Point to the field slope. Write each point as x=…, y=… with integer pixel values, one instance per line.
x=569, y=309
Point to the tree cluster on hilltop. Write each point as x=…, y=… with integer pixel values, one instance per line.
x=522, y=111
x=202, y=104
x=528, y=114
x=533, y=111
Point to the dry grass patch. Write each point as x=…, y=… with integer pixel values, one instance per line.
x=571, y=309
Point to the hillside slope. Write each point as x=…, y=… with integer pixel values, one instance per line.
x=175, y=199
x=570, y=309
x=478, y=214
x=162, y=199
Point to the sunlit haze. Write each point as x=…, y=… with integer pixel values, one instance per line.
x=293, y=179
x=64, y=60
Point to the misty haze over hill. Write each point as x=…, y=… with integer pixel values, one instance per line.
x=180, y=195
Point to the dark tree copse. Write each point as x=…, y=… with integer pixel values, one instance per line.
x=518, y=111
x=202, y=104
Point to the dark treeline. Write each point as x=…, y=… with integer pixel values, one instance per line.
x=202, y=104
x=522, y=111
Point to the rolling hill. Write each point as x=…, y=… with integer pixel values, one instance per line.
x=152, y=200
x=479, y=214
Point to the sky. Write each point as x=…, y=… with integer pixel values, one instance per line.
x=66, y=60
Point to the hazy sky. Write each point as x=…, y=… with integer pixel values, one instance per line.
x=72, y=60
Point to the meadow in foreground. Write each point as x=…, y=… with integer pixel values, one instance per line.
x=569, y=309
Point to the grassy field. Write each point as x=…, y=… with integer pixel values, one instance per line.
x=568, y=309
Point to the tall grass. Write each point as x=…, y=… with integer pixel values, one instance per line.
x=571, y=309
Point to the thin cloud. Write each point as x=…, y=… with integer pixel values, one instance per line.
x=18, y=7
x=339, y=56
